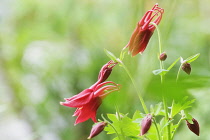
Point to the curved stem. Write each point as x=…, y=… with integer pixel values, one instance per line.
x=177, y=77
x=111, y=126
x=161, y=77
x=115, y=130
x=160, y=48
x=159, y=37
x=134, y=84
x=158, y=132
x=178, y=124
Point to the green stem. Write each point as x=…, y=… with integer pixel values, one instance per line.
x=119, y=118
x=158, y=132
x=161, y=77
x=134, y=84
x=160, y=48
x=178, y=124
x=177, y=77
x=111, y=126
x=117, y=111
x=115, y=130
x=167, y=118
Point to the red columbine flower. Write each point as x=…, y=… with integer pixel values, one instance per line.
x=194, y=127
x=88, y=101
x=144, y=30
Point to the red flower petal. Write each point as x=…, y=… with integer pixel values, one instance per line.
x=144, y=30
x=80, y=99
x=88, y=111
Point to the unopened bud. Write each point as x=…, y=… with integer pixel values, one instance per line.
x=186, y=67
x=97, y=129
x=145, y=124
x=194, y=127
x=163, y=56
x=106, y=71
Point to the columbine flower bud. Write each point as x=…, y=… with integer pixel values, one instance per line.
x=186, y=67
x=106, y=71
x=145, y=124
x=163, y=56
x=97, y=129
x=194, y=127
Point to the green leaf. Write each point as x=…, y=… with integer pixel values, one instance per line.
x=178, y=107
x=137, y=115
x=169, y=122
x=192, y=58
x=171, y=66
x=159, y=72
x=186, y=115
x=110, y=55
x=122, y=54
x=124, y=126
x=116, y=138
x=156, y=110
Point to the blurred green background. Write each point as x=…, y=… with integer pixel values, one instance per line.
x=53, y=49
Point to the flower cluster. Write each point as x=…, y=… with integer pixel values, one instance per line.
x=89, y=100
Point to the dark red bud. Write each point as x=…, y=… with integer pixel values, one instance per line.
x=97, y=129
x=163, y=56
x=186, y=67
x=106, y=71
x=146, y=124
x=194, y=127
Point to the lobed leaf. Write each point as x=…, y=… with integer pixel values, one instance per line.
x=124, y=125
x=178, y=107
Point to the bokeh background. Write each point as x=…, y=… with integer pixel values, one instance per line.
x=53, y=49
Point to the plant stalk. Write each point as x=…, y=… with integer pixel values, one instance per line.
x=138, y=92
x=162, y=78
x=158, y=132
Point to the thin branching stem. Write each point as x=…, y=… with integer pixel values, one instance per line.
x=111, y=126
x=158, y=132
x=177, y=77
x=162, y=77
x=178, y=124
x=135, y=86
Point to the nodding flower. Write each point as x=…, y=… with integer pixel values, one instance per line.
x=186, y=67
x=106, y=71
x=88, y=101
x=97, y=129
x=194, y=127
x=146, y=124
x=144, y=30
